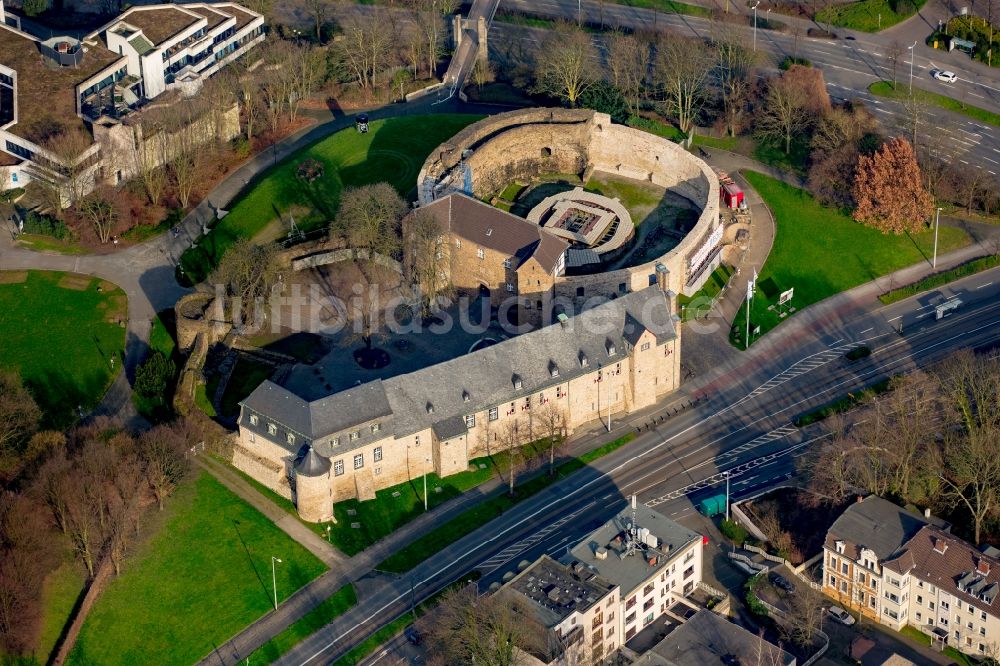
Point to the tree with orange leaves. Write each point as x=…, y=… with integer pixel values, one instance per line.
x=889, y=190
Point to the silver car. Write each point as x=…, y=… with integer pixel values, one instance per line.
x=946, y=76
x=841, y=616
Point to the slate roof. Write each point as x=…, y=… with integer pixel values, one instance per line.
x=485, y=377
x=876, y=524
x=312, y=464
x=979, y=574
x=708, y=638
x=633, y=570
x=493, y=228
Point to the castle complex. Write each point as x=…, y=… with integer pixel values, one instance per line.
x=619, y=353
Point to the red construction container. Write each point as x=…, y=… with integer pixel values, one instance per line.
x=732, y=195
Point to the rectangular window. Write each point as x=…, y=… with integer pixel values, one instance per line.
x=644, y=347
x=648, y=589
x=290, y=438
x=252, y=438
x=355, y=435
x=629, y=604
x=506, y=263
x=646, y=606
x=376, y=427
x=377, y=454
x=470, y=420
x=378, y=471
x=272, y=429
x=629, y=619
x=920, y=599
x=359, y=461
x=416, y=440
x=843, y=568
x=629, y=634
x=253, y=419
x=509, y=287
x=480, y=253
x=493, y=413
x=338, y=468
x=688, y=572
x=335, y=441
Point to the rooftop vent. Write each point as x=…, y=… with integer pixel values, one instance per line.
x=563, y=319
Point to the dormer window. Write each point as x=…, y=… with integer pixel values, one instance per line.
x=430, y=408
x=253, y=419
x=376, y=427
x=465, y=396
x=583, y=360
x=840, y=547
x=335, y=441
x=355, y=435
x=272, y=429
x=506, y=263
x=516, y=379
x=610, y=346
x=553, y=369
x=940, y=546
x=290, y=438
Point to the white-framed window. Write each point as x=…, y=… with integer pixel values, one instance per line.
x=377, y=454
x=506, y=263
x=470, y=420
x=272, y=429
x=494, y=413
x=338, y=468
x=359, y=461
x=458, y=242
x=509, y=287
x=480, y=253
x=290, y=438
x=355, y=435
x=644, y=347
x=376, y=427
x=335, y=441
x=253, y=419
x=252, y=437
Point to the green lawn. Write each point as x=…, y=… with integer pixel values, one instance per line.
x=902, y=92
x=433, y=541
x=939, y=279
x=161, y=339
x=60, y=591
x=40, y=243
x=869, y=15
x=308, y=624
x=819, y=252
x=713, y=285
x=393, y=151
x=247, y=375
x=203, y=576
x=61, y=333
x=924, y=639
x=667, y=6
x=639, y=199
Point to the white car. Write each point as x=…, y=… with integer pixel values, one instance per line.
x=946, y=76
x=841, y=616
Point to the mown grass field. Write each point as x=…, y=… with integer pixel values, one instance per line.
x=869, y=15
x=61, y=331
x=885, y=89
x=820, y=251
x=203, y=576
x=392, y=151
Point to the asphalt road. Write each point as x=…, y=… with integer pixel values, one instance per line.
x=743, y=427
x=849, y=67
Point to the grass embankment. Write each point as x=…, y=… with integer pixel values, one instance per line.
x=60, y=592
x=902, y=92
x=203, y=575
x=161, y=339
x=482, y=513
x=698, y=304
x=841, y=405
x=311, y=622
x=869, y=15
x=667, y=7
x=819, y=251
x=942, y=278
x=65, y=334
x=392, y=151
x=950, y=652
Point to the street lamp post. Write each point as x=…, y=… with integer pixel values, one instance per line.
x=274, y=579
x=426, y=462
x=754, y=8
x=911, y=67
x=937, y=222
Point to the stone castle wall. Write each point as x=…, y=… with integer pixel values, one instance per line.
x=531, y=142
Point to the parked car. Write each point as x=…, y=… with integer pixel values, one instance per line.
x=780, y=581
x=841, y=616
x=945, y=75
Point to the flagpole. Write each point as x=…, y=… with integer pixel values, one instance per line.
x=749, y=296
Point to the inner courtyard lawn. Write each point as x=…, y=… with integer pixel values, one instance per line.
x=820, y=251
x=392, y=151
x=60, y=331
x=202, y=577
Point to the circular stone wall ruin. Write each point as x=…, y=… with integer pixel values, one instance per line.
x=520, y=145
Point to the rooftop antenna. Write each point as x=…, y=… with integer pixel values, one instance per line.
x=631, y=534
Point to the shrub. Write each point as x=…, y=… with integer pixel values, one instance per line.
x=787, y=63
x=753, y=603
x=43, y=225
x=153, y=375
x=8, y=196
x=733, y=531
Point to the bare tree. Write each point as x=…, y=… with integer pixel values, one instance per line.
x=551, y=423
x=567, y=64
x=427, y=257
x=784, y=115
x=164, y=452
x=248, y=271
x=66, y=170
x=366, y=49
x=429, y=15
x=806, y=607
x=510, y=435
x=370, y=216
x=305, y=71
x=628, y=64
x=734, y=63
x=893, y=53
x=52, y=487
x=19, y=418
x=683, y=67
x=102, y=208
x=319, y=12
x=482, y=72
x=467, y=629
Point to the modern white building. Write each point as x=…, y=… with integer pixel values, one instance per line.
x=900, y=569
x=50, y=85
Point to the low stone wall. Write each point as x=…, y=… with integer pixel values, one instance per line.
x=325, y=257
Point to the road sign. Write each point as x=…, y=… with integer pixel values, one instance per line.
x=786, y=296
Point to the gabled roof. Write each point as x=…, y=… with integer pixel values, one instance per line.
x=876, y=524
x=497, y=230
x=957, y=567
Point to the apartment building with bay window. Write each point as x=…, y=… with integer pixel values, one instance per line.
x=900, y=569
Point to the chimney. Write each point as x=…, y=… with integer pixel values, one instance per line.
x=652, y=561
x=859, y=499
x=927, y=512
x=601, y=553
x=940, y=546
x=983, y=567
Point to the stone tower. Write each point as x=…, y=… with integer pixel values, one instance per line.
x=312, y=487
